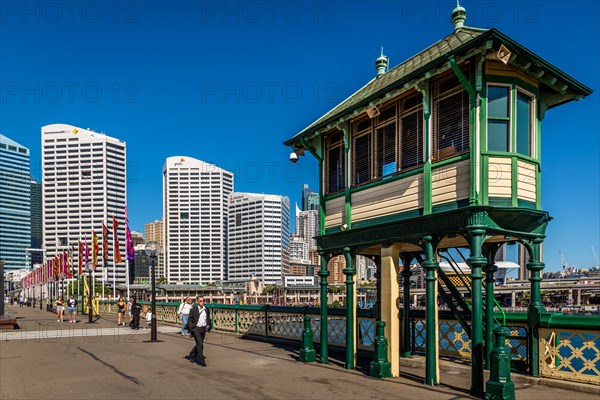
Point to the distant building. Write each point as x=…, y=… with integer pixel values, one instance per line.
x=15, y=215
x=153, y=231
x=299, y=248
x=137, y=238
x=196, y=209
x=307, y=226
x=84, y=185
x=37, y=257
x=142, y=264
x=259, y=237
x=310, y=199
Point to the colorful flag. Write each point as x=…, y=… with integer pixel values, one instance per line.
x=128, y=239
x=55, y=267
x=105, y=245
x=65, y=270
x=87, y=250
x=95, y=249
x=80, y=256
x=70, y=270
x=115, y=225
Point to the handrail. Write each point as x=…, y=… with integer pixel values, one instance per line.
x=501, y=312
x=457, y=271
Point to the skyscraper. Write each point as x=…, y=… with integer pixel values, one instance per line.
x=15, y=206
x=84, y=183
x=310, y=199
x=195, y=207
x=37, y=256
x=153, y=231
x=307, y=226
x=259, y=236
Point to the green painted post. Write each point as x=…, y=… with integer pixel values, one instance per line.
x=307, y=352
x=380, y=366
x=324, y=273
x=405, y=351
x=536, y=308
x=500, y=387
x=431, y=265
x=476, y=262
x=490, y=269
x=349, y=271
x=237, y=320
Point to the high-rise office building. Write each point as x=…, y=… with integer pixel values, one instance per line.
x=307, y=226
x=153, y=232
x=195, y=207
x=84, y=184
x=310, y=199
x=259, y=237
x=36, y=252
x=15, y=204
x=299, y=249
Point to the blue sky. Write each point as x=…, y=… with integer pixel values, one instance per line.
x=228, y=82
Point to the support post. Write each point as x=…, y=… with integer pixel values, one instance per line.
x=405, y=345
x=324, y=338
x=350, y=273
x=431, y=351
x=307, y=352
x=476, y=262
x=390, y=268
x=536, y=308
x=490, y=269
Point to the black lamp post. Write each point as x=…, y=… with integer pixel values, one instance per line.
x=152, y=248
x=89, y=267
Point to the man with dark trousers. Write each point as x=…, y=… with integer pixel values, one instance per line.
x=198, y=324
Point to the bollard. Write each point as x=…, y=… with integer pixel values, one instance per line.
x=500, y=387
x=307, y=352
x=380, y=366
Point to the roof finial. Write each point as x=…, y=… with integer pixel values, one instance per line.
x=381, y=64
x=459, y=16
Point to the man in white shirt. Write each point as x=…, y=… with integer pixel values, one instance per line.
x=198, y=324
x=184, y=314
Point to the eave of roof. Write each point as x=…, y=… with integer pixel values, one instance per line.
x=394, y=78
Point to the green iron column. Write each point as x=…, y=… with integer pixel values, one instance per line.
x=476, y=262
x=324, y=273
x=377, y=306
x=405, y=351
x=350, y=272
x=430, y=265
x=536, y=308
x=489, y=269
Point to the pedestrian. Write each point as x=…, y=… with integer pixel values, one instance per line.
x=184, y=314
x=199, y=324
x=149, y=318
x=72, y=308
x=135, y=314
x=129, y=304
x=60, y=308
x=121, y=312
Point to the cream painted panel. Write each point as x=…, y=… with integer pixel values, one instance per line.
x=450, y=183
x=387, y=199
x=334, y=212
x=499, y=177
x=526, y=182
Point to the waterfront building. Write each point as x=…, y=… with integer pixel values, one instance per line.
x=259, y=237
x=440, y=153
x=196, y=210
x=84, y=184
x=15, y=204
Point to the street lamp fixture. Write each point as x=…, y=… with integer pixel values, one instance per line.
x=89, y=267
x=152, y=248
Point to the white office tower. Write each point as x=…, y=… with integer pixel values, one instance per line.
x=307, y=226
x=259, y=236
x=84, y=183
x=196, y=207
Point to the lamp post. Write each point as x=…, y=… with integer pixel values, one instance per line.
x=152, y=248
x=89, y=267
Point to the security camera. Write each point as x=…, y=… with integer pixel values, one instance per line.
x=293, y=157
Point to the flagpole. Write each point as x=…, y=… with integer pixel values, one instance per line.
x=127, y=276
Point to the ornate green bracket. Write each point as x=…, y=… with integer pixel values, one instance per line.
x=500, y=387
x=307, y=352
x=380, y=366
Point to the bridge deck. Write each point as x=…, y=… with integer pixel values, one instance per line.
x=47, y=360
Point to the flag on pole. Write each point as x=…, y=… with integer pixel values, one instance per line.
x=95, y=249
x=87, y=250
x=70, y=263
x=117, y=251
x=80, y=257
x=128, y=239
x=105, y=244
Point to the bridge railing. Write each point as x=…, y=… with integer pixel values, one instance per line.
x=569, y=344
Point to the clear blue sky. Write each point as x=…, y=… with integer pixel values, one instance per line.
x=227, y=82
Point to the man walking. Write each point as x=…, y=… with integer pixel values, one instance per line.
x=184, y=314
x=198, y=325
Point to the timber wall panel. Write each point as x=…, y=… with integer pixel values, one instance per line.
x=499, y=177
x=450, y=183
x=526, y=183
x=334, y=212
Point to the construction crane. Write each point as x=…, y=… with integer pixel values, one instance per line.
x=596, y=255
x=563, y=260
